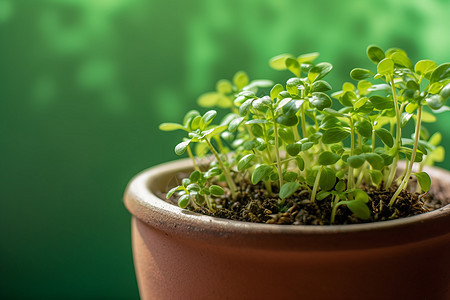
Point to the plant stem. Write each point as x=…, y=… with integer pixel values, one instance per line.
x=230, y=181
x=188, y=148
x=266, y=137
x=333, y=211
x=398, y=136
x=268, y=184
x=209, y=203
x=303, y=121
x=277, y=151
x=373, y=140
x=404, y=182
x=352, y=147
x=296, y=134
x=316, y=186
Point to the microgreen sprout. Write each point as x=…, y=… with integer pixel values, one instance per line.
x=288, y=137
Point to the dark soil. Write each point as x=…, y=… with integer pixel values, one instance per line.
x=253, y=204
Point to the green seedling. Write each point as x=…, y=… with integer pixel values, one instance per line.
x=290, y=138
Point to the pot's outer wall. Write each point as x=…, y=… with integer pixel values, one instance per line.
x=182, y=255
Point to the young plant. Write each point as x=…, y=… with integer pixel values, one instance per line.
x=288, y=137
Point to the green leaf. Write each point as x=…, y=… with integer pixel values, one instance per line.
x=376, y=176
x=385, y=136
x=340, y=186
x=197, y=122
x=262, y=104
x=292, y=107
x=185, y=182
x=214, y=99
x=260, y=83
x=307, y=58
x=319, y=71
x=224, y=86
x=364, y=128
x=375, y=160
x=235, y=124
x=193, y=187
x=435, y=88
x=183, y=201
x=214, y=131
x=209, y=116
x=385, y=67
x=360, y=74
x=328, y=158
x=402, y=59
x=364, y=86
x=282, y=103
x=307, y=145
x=440, y=73
x=300, y=163
x=381, y=103
x=288, y=120
x=348, y=98
x=437, y=154
x=290, y=176
x=276, y=90
x=216, y=190
x=171, y=127
x=334, y=135
x=356, y=161
x=330, y=121
x=404, y=119
x=245, y=107
x=257, y=130
x=293, y=66
x=260, y=172
x=240, y=79
x=445, y=91
x=358, y=104
x=173, y=190
x=244, y=162
x=434, y=101
x=327, y=179
x=322, y=195
x=424, y=181
x=320, y=100
x=375, y=54
x=360, y=195
x=195, y=176
x=293, y=149
x=286, y=135
x=359, y=208
x=181, y=147
x=189, y=117
x=425, y=66
x=288, y=189
x=320, y=86
x=279, y=62
x=215, y=171
x=411, y=107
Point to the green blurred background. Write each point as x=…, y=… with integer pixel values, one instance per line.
x=84, y=84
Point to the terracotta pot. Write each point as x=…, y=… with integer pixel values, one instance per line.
x=183, y=255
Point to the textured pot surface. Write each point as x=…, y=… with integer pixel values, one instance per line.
x=183, y=255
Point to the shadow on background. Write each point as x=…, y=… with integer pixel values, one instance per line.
x=84, y=84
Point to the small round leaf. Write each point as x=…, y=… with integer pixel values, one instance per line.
x=288, y=189
x=216, y=190
x=328, y=158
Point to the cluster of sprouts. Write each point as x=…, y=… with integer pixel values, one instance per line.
x=289, y=138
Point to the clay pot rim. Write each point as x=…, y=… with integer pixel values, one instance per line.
x=141, y=201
